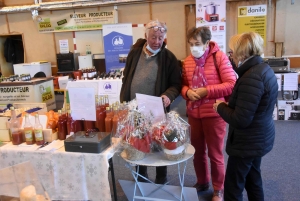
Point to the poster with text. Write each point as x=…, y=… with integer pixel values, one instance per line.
x=75, y=21
x=212, y=14
x=117, y=42
x=253, y=18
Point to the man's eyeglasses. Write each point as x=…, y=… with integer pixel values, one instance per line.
x=156, y=28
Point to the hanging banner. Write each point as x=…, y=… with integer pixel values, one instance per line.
x=253, y=18
x=212, y=14
x=117, y=42
x=75, y=21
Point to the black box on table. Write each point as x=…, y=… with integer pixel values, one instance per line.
x=95, y=142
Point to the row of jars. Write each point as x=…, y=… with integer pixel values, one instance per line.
x=12, y=78
x=107, y=118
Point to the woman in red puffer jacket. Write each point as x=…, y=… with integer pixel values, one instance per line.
x=207, y=76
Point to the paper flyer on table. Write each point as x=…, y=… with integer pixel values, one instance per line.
x=151, y=104
x=82, y=102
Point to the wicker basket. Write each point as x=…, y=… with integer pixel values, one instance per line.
x=133, y=154
x=176, y=154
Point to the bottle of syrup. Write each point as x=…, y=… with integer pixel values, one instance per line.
x=16, y=134
x=28, y=130
x=70, y=124
x=61, y=126
x=38, y=131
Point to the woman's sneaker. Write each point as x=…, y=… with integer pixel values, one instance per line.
x=201, y=187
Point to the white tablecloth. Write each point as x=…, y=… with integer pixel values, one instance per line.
x=64, y=175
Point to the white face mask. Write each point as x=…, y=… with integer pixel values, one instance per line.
x=197, y=51
x=152, y=51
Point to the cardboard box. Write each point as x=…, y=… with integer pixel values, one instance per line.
x=3, y=122
x=4, y=135
x=63, y=82
x=33, y=68
x=32, y=92
x=289, y=110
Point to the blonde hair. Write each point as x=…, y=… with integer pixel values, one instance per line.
x=247, y=45
x=233, y=40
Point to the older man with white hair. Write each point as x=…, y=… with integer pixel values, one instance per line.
x=152, y=69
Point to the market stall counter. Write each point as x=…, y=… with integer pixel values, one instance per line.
x=37, y=90
x=64, y=175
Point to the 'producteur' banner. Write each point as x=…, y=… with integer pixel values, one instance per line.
x=75, y=21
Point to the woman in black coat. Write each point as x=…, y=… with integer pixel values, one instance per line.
x=249, y=115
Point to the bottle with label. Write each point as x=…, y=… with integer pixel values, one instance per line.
x=102, y=75
x=115, y=120
x=84, y=73
x=70, y=124
x=118, y=74
x=78, y=126
x=106, y=101
x=108, y=119
x=16, y=134
x=100, y=116
x=38, y=131
x=61, y=126
x=28, y=130
x=87, y=51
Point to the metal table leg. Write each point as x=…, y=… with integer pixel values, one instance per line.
x=135, y=175
x=111, y=168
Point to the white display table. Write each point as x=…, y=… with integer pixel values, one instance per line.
x=64, y=175
x=158, y=159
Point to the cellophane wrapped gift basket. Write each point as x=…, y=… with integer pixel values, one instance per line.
x=135, y=133
x=173, y=135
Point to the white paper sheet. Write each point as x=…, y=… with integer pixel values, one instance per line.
x=151, y=104
x=290, y=82
x=82, y=102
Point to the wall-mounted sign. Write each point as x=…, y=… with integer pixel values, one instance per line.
x=64, y=46
x=253, y=18
x=212, y=14
x=117, y=42
x=75, y=21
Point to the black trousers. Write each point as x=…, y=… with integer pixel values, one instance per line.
x=243, y=173
x=161, y=171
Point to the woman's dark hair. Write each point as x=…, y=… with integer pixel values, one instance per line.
x=203, y=32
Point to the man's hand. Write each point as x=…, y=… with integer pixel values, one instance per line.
x=192, y=95
x=166, y=100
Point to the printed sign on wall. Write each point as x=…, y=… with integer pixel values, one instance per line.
x=253, y=18
x=212, y=14
x=117, y=42
x=75, y=21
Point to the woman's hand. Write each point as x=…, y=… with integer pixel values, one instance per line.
x=216, y=104
x=202, y=92
x=192, y=95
